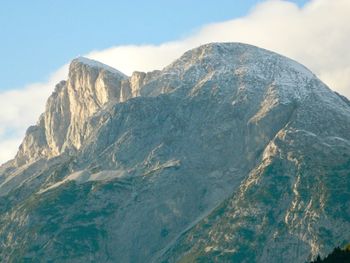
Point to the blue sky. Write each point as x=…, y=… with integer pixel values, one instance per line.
x=37, y=37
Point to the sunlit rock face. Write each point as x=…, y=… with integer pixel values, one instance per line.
x=230, y=154
x=90, y=86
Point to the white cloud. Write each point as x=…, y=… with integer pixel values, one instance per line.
x=20, y=109
x=316, y=35
x=8, y=148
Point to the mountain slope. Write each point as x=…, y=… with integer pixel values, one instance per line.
x=230, y=153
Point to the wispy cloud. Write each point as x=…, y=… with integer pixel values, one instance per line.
x=21, y=108
x=316, y=35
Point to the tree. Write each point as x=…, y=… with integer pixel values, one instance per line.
x=337, y=256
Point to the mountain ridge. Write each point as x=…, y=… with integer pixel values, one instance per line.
x=129, y=87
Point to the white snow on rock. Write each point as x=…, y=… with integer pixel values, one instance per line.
x=86, y=176
x=96, y=64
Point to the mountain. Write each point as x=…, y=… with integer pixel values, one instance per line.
x=232, y=153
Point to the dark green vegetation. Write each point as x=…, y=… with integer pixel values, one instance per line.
x=337, y=256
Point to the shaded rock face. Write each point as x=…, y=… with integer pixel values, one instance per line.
x=230, y=154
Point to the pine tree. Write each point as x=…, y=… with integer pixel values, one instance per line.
x=337, y=256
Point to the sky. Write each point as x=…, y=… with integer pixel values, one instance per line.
x=39, y=38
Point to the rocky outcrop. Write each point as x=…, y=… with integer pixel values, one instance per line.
x=62, y=127
x=131, y=87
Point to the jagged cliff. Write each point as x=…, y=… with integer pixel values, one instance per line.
x=89, y=87
x=231, y=153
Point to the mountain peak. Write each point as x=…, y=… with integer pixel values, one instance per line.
x=84, y=61
x=90, y=85
x=232, y=55
x=243, y=62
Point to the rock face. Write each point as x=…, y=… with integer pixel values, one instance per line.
x=89, y=87
x=230, y=154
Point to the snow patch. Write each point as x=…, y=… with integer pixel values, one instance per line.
x=96, y=64
x=86, y=176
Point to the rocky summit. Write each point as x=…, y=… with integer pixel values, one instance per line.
x=232, y=153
